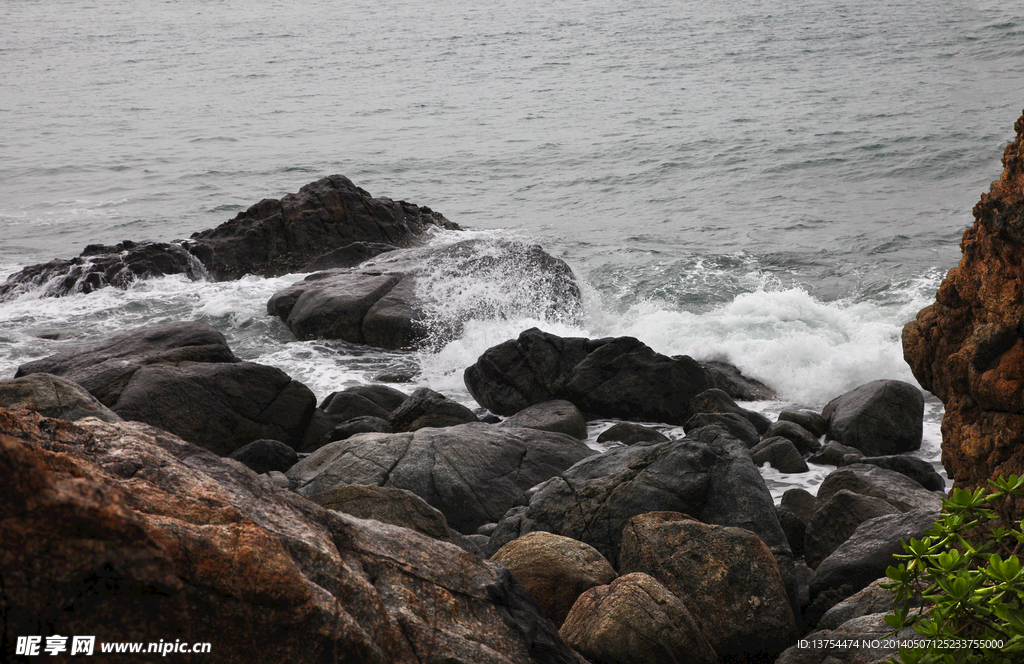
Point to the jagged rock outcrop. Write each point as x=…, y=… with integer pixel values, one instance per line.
x=968, y=347
x=99, y=266
x=125, y=532
x=271, y=238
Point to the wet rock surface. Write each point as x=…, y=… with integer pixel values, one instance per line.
x=619, y=377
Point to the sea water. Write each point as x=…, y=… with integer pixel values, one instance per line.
x=781, y=185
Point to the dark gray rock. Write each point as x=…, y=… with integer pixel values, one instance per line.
x=800, y=502
x=731, y=380
x=835, y=454
x=387, y=505
x=708, y=475
x=808, y=419
x=631, y=433
x=105, y=367
x=350, y=255
x=219, y=406
x=275, y=237
x=865, y=555
x=53, y=396
x=871, y=600
x=880, y=418
x=427, y=408
x=365, y=424
x=265, y=455
x=895, y=488
x=473, y=473
x=716, y=401
x=737, y=425
x=560, y=416
x=345, y=406
x=804, y=440
x=619, y=378
x=99, y=266
x=916, y=469
x=794, y=528
x=385, y=396
x=836, y=519
x=780, y=453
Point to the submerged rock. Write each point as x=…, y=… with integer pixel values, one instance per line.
x=968, y=347
x=129, y=533
x=619, y=377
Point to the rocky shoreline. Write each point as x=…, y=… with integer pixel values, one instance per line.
x=158, y=487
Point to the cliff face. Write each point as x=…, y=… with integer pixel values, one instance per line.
x=968, y=347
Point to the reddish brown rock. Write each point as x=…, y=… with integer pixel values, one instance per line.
x=128, y=533
x=726, y=576
x=967, y=347
x=555, y=569
x=637, y=620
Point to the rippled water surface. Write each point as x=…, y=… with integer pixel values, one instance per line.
x=779, y=184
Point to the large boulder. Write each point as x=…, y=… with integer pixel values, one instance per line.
x=780, y=453
x=967, y=348
x=737, y=425
x=265, y=456
x=105, y=367
x=836, y=519
x=715, y=400
x=472, y=472
x=731, y=380
x=129, y=533
x=387, y=505
x=405, y=296
x=727, y=578
x=879, y=418
x=275, y=237
x=183, y=378
x=99, y=266
x=619, y=377
x=559, y=415
x=631, y=433
x=895, y=488
x=53, y=396
x=635, y=620
x=427, y=408
x=219, y=406
x=555, y=570
x=805, y=441
x=708, y=475
x=864, y=557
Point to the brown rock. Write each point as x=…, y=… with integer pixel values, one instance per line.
x=967, y=348
x=128, y=533
x=387, y=505
x=726, y=576
x=555, y=570
x=637, y=620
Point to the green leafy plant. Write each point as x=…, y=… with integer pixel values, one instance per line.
x=966, y=577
